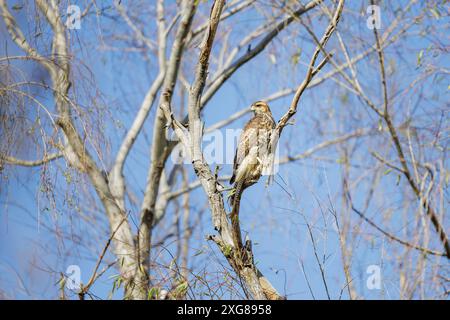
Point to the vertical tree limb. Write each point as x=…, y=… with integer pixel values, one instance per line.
x=161, y=146
x=254, y=280
x=401, y=155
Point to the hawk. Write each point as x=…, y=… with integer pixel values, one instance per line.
x=253, y=151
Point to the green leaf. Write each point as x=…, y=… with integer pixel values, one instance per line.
x=419, y=58
x=435, y=13
x=227, y=250
x=380, y=125
x=295, y=59
x=153, y=292
x=181, y=288
x=67, y=176
x=199, y=252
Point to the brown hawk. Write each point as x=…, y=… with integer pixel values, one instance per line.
x=253, y=150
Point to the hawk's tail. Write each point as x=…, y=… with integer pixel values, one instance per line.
x=234, y=216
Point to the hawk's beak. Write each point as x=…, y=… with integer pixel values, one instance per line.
x=252, y=108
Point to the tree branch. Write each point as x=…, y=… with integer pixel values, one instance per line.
x=161, y=146
x=251, y=276
x=261, y=45
x=406, y=172
x=75, y=150
x=392, y=237
x=312, y=70
x=30, y=163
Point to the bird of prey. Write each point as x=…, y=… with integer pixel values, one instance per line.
x=253, y=151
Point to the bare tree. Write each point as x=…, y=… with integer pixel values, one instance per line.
x=386, y=156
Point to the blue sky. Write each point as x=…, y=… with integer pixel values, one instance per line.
x=274, y=217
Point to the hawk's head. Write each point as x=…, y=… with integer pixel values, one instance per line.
x=260, y=107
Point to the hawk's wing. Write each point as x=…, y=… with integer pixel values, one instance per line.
x=254, y=140
x=243, y=147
